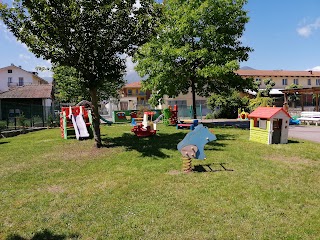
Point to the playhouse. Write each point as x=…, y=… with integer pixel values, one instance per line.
x=269, y=125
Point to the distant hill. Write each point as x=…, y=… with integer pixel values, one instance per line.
x=48, y=79
x=247, y=68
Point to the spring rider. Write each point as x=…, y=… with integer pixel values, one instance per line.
x=146, y=128
x=192, y=146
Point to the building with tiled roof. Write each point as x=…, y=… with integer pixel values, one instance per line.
x=24, y=92
x=283, y=78
x=132, y=96
x=29, y=92
x=13, y=76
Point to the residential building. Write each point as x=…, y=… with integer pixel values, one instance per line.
x=24, y=92
x=132, y=96
x=14, y=76
x=30, y=100
x=283, y=78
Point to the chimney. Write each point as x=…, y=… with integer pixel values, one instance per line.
x=310, y=71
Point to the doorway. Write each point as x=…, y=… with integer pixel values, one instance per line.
x=276, y=135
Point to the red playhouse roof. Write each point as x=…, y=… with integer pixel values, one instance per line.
x=267, y=112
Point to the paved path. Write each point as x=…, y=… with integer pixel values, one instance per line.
x=311, y=133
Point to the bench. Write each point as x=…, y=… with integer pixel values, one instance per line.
x=188, y=124
x=308, y=117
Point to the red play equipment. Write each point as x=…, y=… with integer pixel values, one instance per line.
x=174, y=115
x=146, y=128
x=75, y=118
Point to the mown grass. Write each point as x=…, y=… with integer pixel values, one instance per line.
x=134, y=189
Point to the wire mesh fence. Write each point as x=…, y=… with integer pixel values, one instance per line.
x=187, y=112
x=25, y=115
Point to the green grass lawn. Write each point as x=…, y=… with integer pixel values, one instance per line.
x=51, y=188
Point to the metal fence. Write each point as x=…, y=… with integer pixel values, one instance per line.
x=19, y=115
x=186, y=111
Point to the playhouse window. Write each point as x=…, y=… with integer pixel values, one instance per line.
x=263, y=123
x=260, y=123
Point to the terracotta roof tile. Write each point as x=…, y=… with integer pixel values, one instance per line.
x=279, y=73
x=267, y=112
x=133, y=85
x=29, y=91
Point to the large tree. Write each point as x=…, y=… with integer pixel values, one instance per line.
x=68, y=87
x=92, y=36
x=197, y=46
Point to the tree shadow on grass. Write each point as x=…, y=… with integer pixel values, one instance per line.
x=44, y=235
x=3, y=142
x=152, y=146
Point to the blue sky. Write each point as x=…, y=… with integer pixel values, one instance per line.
x=285, y=34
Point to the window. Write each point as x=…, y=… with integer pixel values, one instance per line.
x=9, y=70
x=137, y=91
x=9, y=79
x=284, y=81
x=263, y=123
x=201, y=102
x=129, y=92
x=20, y=81
x=177, y=102
x=142, y=93
x=260, y=123
x=309, y=81
x=296, y=81
x=318, y=82
x=258, y=81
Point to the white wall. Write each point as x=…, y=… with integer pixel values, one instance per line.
x=28, y=78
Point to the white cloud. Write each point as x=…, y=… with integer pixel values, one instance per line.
x=131, y=74
x=6, y=33
x=24, y=57
x=305, y=30
x=316, y=68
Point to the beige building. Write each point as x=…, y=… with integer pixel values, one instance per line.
x=284, y=78
x=307, y=79
x=185, y=100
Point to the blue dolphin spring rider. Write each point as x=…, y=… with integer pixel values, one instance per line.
x=192, y=146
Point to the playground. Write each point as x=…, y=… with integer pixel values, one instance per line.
x=135, y=187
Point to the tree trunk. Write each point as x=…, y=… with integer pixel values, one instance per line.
x=194, y=107
x=95, y=118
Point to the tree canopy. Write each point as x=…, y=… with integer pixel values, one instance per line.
x=197, y=46
x=68, y=87
x=92, y=36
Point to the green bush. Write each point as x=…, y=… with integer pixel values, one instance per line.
x=22, y=121
x=3, y=125
x=209, y=116
x=226, y=106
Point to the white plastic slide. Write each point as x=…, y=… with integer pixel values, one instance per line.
x=80, y=127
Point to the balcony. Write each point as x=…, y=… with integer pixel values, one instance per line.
x=13, y=84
